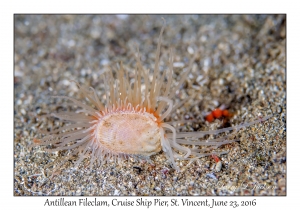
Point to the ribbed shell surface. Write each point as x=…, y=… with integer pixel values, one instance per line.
x=129, y=133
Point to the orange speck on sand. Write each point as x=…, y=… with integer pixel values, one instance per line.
x=217, y=113
x=36, y=141
x=209, y=118
x=225, y=113
x=216, y=158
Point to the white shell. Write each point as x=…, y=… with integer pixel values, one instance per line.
x=129, y=133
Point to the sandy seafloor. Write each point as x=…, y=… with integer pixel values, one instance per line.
x=241, y=64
